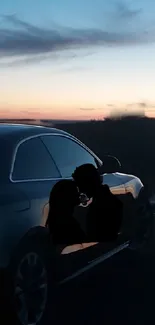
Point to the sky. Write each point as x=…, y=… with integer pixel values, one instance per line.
x=76, y=59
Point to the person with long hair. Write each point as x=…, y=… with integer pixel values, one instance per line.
x=63, y=227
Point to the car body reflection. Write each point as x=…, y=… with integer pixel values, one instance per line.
x=77, y=247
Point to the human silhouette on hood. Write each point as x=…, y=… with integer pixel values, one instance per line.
x=63, y=227
x=105, y=213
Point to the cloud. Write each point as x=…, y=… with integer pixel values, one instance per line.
x=27, y=41
x=124, y=12
x=143, y=105
x=35, y=58
x=59, y=56
x=147, y=106
x=87, y=109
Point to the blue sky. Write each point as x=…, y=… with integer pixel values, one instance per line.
x=76, y=59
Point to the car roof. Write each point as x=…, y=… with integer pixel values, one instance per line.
x=26, y=130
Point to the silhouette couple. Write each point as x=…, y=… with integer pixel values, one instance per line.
x=104, y=216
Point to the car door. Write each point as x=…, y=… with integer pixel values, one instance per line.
x=69, y=154
x=34, y=173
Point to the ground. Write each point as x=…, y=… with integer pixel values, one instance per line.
x=120, y=291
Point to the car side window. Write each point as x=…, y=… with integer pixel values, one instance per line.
x=67, y=154
x=33, y=162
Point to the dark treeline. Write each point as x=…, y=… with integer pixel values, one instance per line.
x=131, y=139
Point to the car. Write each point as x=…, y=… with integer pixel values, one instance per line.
x=33, y=159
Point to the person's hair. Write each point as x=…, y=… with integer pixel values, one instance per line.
x=63, y=198
x=87, y=178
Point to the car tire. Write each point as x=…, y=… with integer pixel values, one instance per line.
x=31, y=282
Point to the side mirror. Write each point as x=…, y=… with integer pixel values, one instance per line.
x=111, y=164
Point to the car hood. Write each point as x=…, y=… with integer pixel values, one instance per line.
x=120, y=183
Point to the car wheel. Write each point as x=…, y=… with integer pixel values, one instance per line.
x=32, y=283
